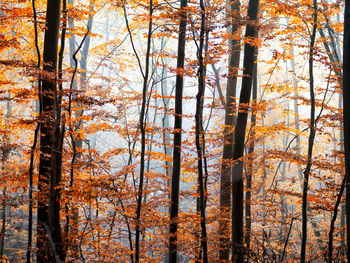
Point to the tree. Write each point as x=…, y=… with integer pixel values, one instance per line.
x=240, y=130
x=346, y=115
x=200, y=139
x=107, y=150
x=230, y=110
x=175, y=177
x=313, y=123
x=49, y=242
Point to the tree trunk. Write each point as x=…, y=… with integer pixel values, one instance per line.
x=298, y=147
x=230, y=110
x=248, y=198
x=77, y=144
x=343, y=206
x=240, y=131
x=143, y=136
x=200, y=139
x=165, y=123
x=346, y=120
x=49, y=237
x=32, y=152
x=175, y=177
x=307, y=170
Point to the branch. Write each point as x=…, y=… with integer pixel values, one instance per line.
x=334, y=218
x=131, y=40
x=286, y=242
x=74, y=72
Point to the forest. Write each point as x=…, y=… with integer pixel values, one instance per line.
x=175, y=131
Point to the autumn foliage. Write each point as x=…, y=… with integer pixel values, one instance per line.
x=115, y=93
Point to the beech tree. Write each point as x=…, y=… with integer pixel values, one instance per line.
x=49, y=241
x=176, y=170
x=233, y=10
x=313, y=123
x=94, y=155
x=240, y=131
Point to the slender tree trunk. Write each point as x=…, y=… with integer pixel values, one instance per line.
x=240, y=131
x=298, y=148
x=32, y=153
x=30, y=195
x=166, y=139
x=86, y=48
x=343, y=206
x=165, y=123
x=78, y=143
x=346, y=120
x=307, y=170
x=334, y=218
x=230, y=110
x=175, y=177
x=200, y=139
x=334, y=55
x=248, y=199
x=143, y=136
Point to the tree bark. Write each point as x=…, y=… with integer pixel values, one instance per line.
x=175, y=177
x=143, y=135
x=248, y=197
x=230, y=111
x=200, y=139
x=240, y=131
x=307, y=170
x=32, y=152
x=50, y=157
x=77, y=144
x=346, y=116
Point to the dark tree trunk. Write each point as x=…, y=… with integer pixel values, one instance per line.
x=77, y=144
x=165, y=122
x=230, y=110
x=175, y=177
x=240, y=131
x=85, y=49
x=307, y=170
x=300, y=170
x=32, y=152
x=143, y=136
x=200, y=143
x=49, y=241
x=346, y=120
